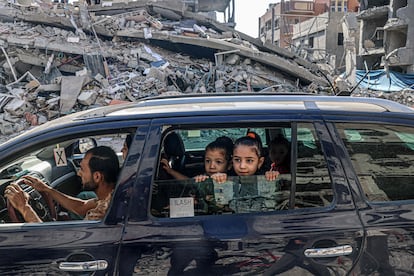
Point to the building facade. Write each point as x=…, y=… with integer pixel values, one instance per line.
x=313, y=29
x=276, y=25
x=386, y=35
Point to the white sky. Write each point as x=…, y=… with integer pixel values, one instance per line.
x=248, y=13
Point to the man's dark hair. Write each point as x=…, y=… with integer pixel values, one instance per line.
x=104, y=159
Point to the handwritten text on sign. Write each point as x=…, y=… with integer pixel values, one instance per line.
x=181, y=207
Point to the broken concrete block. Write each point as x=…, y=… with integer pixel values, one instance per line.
x=203, y=90
x=102, y=80
x=83, y=72
x=53, y=102
x=156, y=73
x=51, y=114
x=41, y=42
x=190, y=75
x=238, y=78
x=6, y=128
x=232, y=59
x=87, y=97
x=219, y=86
x=18, y=92
x=17, y=107
x=11, y=118
x=132, y=63
x=247, y=61
x=369, y=44
x=41, y=119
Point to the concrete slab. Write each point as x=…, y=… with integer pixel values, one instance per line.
x=70, y=89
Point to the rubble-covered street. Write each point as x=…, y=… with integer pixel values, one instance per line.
x=60, y=58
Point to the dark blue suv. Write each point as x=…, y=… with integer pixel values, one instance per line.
x=344, y=205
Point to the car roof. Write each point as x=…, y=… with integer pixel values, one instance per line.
x=227, y=103
x=199, y=103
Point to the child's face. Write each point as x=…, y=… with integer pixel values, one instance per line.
x=246, y=161
x=215, y=161
x=278, y=153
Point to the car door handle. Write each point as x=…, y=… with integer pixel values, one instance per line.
x=84, y=266
x=328, y=252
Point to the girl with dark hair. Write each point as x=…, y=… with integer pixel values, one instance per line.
x=247, y=158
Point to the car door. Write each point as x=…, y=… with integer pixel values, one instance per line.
x=72, y=246
x=315, y=229
x=381, y=160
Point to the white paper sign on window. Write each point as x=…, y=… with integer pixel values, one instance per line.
x=60, y=157
x=181, y=207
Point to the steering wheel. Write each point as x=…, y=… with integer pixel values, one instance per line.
x=41, y=203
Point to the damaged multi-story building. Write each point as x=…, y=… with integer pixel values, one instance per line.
x=312, y=29
x=367, y=43
x=387, y=35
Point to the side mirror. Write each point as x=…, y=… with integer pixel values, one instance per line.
x=83, y=145
x=80, y=147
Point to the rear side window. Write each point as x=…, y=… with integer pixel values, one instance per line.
x=184, y=188
x=383, y=158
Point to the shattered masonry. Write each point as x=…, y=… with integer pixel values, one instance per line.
x=60, y=58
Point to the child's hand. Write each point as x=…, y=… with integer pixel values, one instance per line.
x=271, y=175
x=200, y=178
x=165, y=165
x=219, y=177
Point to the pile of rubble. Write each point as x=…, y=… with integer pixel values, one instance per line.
x=57, y=59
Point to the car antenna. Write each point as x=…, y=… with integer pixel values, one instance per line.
x=348, y=93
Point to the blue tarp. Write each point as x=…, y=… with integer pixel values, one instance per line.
x=381, y=81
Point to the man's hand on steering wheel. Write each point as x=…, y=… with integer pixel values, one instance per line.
x=36, y=183
x=21, y=199
x=18, y=198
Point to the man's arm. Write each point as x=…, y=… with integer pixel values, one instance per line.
x=73, y=204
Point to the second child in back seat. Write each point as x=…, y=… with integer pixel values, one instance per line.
x=217, y=158
x=279, y=153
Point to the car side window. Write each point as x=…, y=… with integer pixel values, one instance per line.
x=313, y=183
x=180, y=193
x=383, y=159
x=57, y=164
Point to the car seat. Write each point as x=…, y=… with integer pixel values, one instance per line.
x=174, y=151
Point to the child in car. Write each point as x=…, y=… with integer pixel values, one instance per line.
x=217, y=158
x=279, y=155
x=247, y=159
x=248, y=192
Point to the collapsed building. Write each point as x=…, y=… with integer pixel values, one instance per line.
x=58, y=58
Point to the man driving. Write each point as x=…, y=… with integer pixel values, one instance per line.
x=98, y=171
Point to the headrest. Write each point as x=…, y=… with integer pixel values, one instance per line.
x=173, y=145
